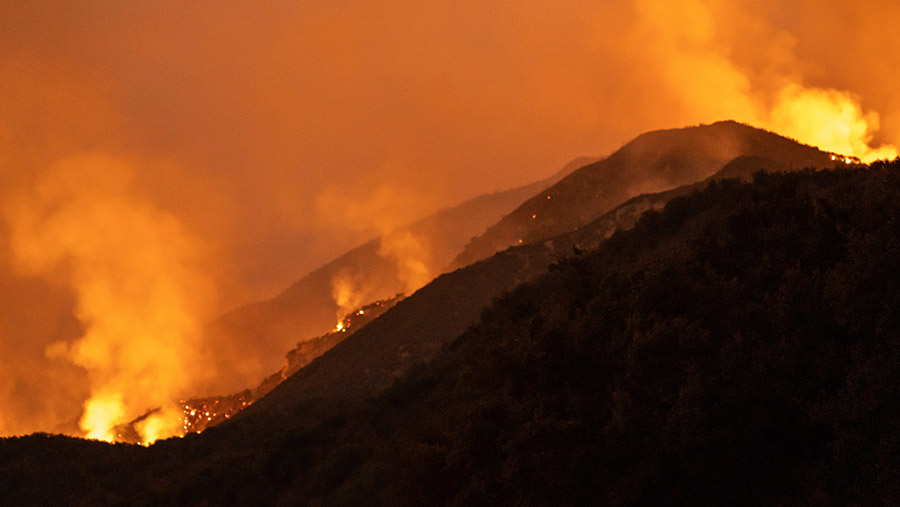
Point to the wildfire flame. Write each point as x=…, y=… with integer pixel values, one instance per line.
x=101, y=412
x=412, y=256
x=688, y=44
x=831, y=120
x=347, y=296
x=164, y=423
x=134, y=273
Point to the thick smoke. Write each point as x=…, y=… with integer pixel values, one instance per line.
x=138, y=291
x=412, y=255
x=381, y=211
x=346, y=291
x=256, y=142
x=707, y=73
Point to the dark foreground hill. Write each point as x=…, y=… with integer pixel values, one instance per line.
x=739, y=347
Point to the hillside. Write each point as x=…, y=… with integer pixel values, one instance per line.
x=653, y=162
x=738, y=347
x=441, y=311
x=411, y=334
x=199, y=414
x=625, y=215
x=580, y=193
x=258, y=334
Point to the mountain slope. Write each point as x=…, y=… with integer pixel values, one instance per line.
x=738, y=347
x=444, y=309
x=413, y=331
x=656, y=160
x=441, y=311
x=652, y=162
x=258, y=334
x=625, y=215
x=345, y=378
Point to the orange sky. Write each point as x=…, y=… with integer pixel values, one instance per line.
x=241, y=126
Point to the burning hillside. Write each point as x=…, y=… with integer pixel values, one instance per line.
x=194, y=415
x=653, y=162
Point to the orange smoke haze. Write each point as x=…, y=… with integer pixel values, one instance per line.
x=161, y=162
x=346, y=293
x=755, y=76
x=134, y=273
x=381, y=211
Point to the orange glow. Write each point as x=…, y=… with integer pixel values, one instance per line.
x=138, y=290
x=155, y=156
x=165, y=423
x=101, y=413
x=710, y=76
x=384, y=209
x=196, y=415
x=412, y=256
x=347, y=296
x=831, y=120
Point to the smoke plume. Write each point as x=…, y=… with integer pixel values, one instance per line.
x=412, y=255
x=346, y=292
x=381, y=211
x=710, y=77
x=133, y=270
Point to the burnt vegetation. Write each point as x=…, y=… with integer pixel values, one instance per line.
x=741, y=346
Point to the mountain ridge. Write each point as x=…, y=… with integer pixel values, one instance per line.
x=307, y=309
x=305, y=411
x=433, y=316
x=652, y=162
x=419, y=326
x=737, y=347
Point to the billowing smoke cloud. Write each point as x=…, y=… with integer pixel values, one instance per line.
x=346, y=291
x=689, y=43
x=830, y=119
x=381, y=211
x=412, y=255
x=273, y=131
x=134, y=273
